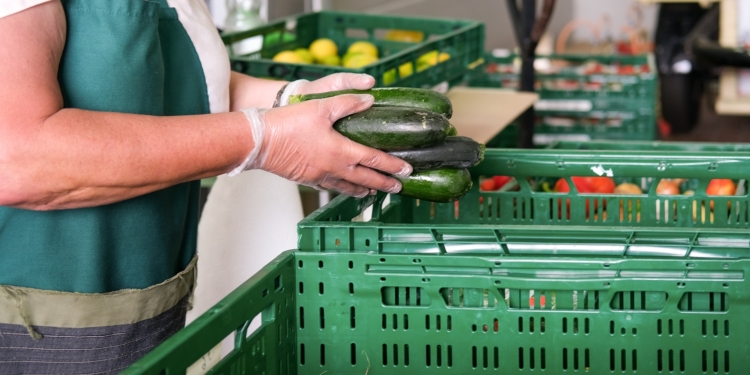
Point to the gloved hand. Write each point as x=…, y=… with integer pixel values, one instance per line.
x=298, y=142
x=333, y=82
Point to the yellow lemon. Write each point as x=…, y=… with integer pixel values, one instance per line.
x=347, y=56
x=322, y=48
x=288, y=57
x=305, y=55
x=404, y=36
x=430, y=59
x=366, y=48
x=331, y=61
x=406, y=70
x=389, y=77
x=359, y=60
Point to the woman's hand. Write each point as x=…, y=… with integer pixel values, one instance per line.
x=300, y=144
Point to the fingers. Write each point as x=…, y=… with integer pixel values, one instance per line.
x=379, y=160
x=346, y=187
x=370, y=179
x=339, y=81
x=343, y=105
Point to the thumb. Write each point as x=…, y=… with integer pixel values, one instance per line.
x=340, y=106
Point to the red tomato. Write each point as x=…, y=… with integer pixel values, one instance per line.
x=625, y=70
x=500, y=181
x=721, y=186
x=604, y=185
x=581, y=183
x=488, y=185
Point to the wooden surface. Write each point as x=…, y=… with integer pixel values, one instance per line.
x=481, y=113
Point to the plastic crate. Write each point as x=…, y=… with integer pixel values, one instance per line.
x=578, y=102
x=462, y=40
x=505, y=283
x=576, y=76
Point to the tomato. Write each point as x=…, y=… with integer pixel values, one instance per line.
x=603, y=185
x=500, y=181
x=625, y=70
x=586, y=185
x=721, y=186
x=488, y=185
x=669, y=187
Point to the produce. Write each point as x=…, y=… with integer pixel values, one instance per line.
x=322, y=48
x=439, y=185
x=721, y=187
x=431, y=58
x=493, y=183
x=404, y=71
x=402, y=122
x=603, y=185
x=394, y=128
x=628, y=188
x=288, y=57
x=408, y=36
x=359, y=60
x=669, y=186
x=331, y=61
x=393, y=97
x=454, y=152
x=305, y=55
x=363, y=47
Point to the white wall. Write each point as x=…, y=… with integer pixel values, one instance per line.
x=619, y=12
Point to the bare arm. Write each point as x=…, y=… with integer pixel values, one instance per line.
x=55, y=158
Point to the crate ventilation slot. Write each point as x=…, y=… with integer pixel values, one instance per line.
x=704, y=302
x=405, y=296
x=469, y=298
x=531, y=299
x=639, y=301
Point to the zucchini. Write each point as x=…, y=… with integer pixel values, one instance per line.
x=394, y=128
x=393, y=97
x=437, y=185
x=454, y=152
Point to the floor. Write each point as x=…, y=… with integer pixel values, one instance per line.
x=713, y=127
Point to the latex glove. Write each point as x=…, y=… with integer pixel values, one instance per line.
x=300, y=144
x=333, y=82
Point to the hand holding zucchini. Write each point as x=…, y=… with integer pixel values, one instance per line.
x=412, y=124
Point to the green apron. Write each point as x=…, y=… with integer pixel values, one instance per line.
x=84, y=272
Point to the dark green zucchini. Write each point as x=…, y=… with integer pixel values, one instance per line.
x=393, y=97
x=452, y=131
x=438, y=185
x=453, y=152
x=394, y=128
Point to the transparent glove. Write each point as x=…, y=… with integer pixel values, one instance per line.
x=333, y=82
x=300, y=144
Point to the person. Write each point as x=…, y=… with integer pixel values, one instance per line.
x=111, y=111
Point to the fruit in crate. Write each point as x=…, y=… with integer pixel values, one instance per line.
x=628, y=188
x=359, y=60
x=331, y=61
x=721, y=187
x=407, y=36
x=431, y=58
x=363, y=47
x=288, y=57
x=322, y=48
x=305, y=55
x=669, y=186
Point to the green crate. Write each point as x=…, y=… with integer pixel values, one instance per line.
x=462, y=40
x=575, y=81
x=501, y=282
x=592, y=107
x=370, y=313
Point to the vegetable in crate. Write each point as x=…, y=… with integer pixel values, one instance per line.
x=454, y=152
x=438, y=185
x=393, y=97
x=394, y=128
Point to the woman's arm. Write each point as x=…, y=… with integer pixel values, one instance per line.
x=251, y=92
x=55, y=158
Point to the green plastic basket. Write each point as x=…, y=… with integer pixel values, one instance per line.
x=503, y=281
x=462, y=40
x=578, y=104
